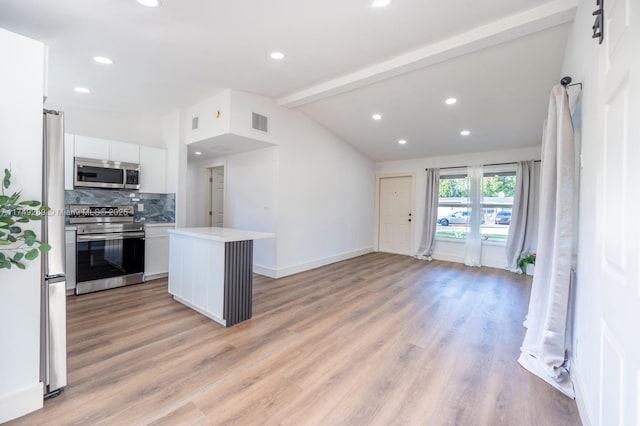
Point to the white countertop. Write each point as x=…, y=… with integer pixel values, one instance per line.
x=222, y=234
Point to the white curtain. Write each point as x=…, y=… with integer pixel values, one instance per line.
x=428, y=242
x=523, y=230
x=473, y=245
x=543, y=351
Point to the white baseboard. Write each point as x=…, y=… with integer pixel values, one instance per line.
x=301, y=267
x=585, y=413
x=263, y=270
x=447, y=257
x=20, y=403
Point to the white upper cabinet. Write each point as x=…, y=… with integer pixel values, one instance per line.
x=153, y=161
x=88, y=147
x=104, y=149
x=153, y=166
x=125, y=152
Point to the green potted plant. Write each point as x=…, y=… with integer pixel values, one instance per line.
x=18, y=245
x=527, y=262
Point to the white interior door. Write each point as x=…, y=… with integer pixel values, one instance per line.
x=216, y=208
x=395, y=215
x=618, y=286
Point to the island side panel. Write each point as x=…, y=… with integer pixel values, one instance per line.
x=196, y=274
x=238, y=281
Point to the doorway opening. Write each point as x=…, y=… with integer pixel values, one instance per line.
x=216, y=193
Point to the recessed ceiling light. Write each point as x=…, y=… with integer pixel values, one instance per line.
x=277, y=56
x=150, y=3
x=82, y=90
x=376, y=117
x=465, y=133
x=198, y=153
x=402, y=141
x=381, y=3
x=102, y=60
x=451, y=101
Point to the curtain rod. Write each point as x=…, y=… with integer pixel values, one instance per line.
x=566, y=82
x=483, y=165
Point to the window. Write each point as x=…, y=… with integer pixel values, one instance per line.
x=498, y=188
x=453, y=207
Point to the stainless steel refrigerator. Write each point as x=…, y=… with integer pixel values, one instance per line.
x=53, y=334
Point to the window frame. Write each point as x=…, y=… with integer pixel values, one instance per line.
x=461, y=172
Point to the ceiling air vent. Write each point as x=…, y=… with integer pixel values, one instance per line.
x=194, y=123
x=259, y=122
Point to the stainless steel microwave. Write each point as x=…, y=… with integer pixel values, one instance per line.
x=90, y=173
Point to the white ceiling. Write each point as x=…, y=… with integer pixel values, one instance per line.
x=188, y=49
x=502, y=93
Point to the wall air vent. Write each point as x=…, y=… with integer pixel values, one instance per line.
x=259, y=122
x=194, y=123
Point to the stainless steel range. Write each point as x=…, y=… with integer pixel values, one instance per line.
x=109, y=247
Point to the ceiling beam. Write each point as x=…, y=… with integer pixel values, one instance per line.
x=512, y=27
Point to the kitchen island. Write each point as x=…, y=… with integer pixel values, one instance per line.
x=211, y=271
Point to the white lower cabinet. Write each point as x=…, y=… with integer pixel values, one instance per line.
x=156, y=248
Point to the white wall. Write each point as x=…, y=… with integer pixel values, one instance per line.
x=139, y=128
x=313, y=190
x=209, y=124
x=172, y=136
x=197, y=195
x=250, y=198
x=325, y=187
x=492, y=254
x=326, y=196
x=170, y=128
x=21, y=89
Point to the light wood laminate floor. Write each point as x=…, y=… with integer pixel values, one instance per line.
x=380, y=339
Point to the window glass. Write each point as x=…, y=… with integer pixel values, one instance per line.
x=498, y=189
x=497, y=202
x=453, y=207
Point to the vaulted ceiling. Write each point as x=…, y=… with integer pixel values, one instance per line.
x=344, y=61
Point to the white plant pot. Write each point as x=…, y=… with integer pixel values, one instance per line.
x=530, y=268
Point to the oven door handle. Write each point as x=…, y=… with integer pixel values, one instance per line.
x=113, y=236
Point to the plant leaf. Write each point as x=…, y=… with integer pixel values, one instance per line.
x=29, y=237
x=15, y=230
x=18, y=256
x=11, y=238
x=30, y=203
x=31, y=254
x=44, y=247
x=5, y=264
x=2, y=257
x=6, y=182
x=5, y=242
x=20, y=265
